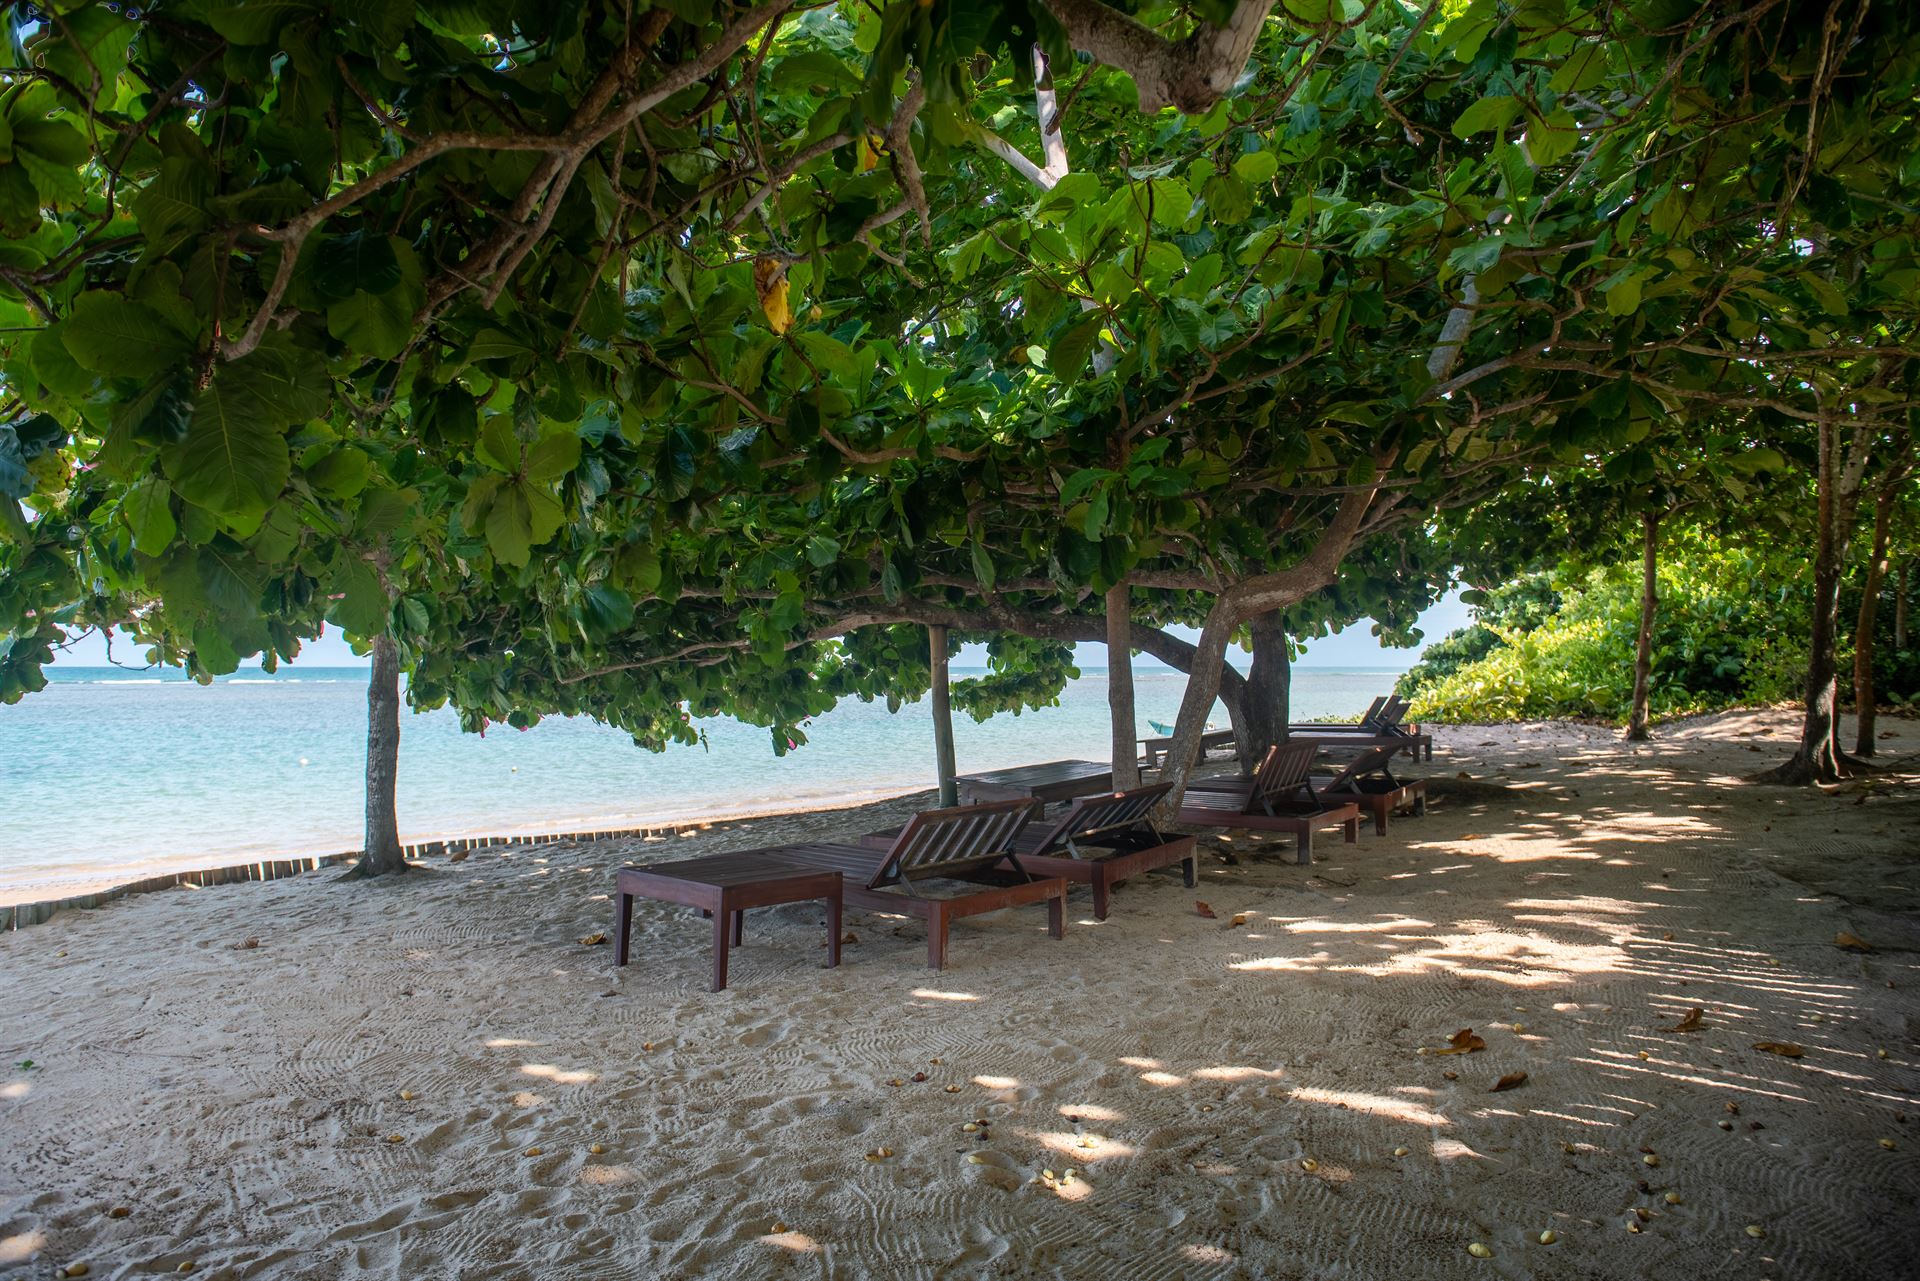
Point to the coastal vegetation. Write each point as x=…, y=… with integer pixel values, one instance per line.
x=651, y=363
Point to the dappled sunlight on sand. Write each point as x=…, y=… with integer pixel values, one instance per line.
x=1082, y=1148
x=930, y=994
x=20, y=1247
x=798, y=1242
x=558, y=1075
x=1382, y=1105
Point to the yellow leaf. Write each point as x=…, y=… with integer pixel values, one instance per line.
x=592, y=940
x=1786, y=1049
x=1463, y=1042
x=1852, y=942
x=770, y=282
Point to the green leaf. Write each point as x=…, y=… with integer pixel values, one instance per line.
x=174, y=205
x=1257, y=167
x=637, y=567
x=983, y=569
x=112, y=334
x=342, y=473
x=234, y=460
x=498, y=447
x=1486, y=115
x=510, y=526
x=1067, y=358
x=377, y=325
x=890, y=585
x=362, y=607
x=605, y=612
x=360, y=261
x=553, y=456
x=255, y=22
x=148, y=513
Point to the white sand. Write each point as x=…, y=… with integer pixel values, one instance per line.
x=238, y=1101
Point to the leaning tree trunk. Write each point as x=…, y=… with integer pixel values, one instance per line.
x=1126, y=746
x=382, y=853
x=1818, y=759
x=1864, y=696
x=1643, y=649
x=1265, y=707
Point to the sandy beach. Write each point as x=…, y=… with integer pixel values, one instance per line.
x=438, y=1078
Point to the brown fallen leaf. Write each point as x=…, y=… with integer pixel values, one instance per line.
x=246, y=944
x=1463, y=1042
x=458, y=856
x=1239, y=918
x=1512, y=1080
x=1785, y=1049
x=593, y=940
x=1851, y=942
x=1690, y=1021
x=1200, y=906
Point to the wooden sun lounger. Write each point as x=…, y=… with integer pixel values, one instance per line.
x=921, y=873
x=1153, y=748
x=1367, y=781
x=1100, y=842
x=1382, y=726
x=1266, y=801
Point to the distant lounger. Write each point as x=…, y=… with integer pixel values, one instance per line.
x=1101, y=841
x=1381, y=725
x=921, y=872
x=1154, y=748
x=1369, y=782
x=1274, y=798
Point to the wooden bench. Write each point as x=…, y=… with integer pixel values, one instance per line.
x=1213, y=739
x=1268, y=800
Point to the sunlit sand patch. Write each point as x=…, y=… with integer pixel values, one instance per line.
x=607, y=1176
x=1239, y=1072
x=798, y=1242
x=1166, y=1080
x=1453, y=1150
x=997, y=1082
x=558, y=1075
x=1317, y=961
x=1081, y=1147
x=929, y=994
x=1207, y=1254
x=16, y=1089
x=508, y=1043
x=1138, y=1061
x=21, y=1247
x=528, y=1099
x=1381, y=1105
x=1322, y=926
x=1091, y=1111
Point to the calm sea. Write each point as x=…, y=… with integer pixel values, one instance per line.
x=108, y=769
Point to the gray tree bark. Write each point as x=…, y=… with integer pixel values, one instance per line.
x=382, y=853
x=942, y=717
x=1269, y=692
x=1126, y=747
x=1864, y=695
x=1649, y=606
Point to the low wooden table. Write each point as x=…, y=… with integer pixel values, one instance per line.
x=1053, y=781
x=724, y=886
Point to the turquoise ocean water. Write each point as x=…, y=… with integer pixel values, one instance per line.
x=108, y=770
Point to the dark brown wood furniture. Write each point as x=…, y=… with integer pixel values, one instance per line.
x=1102, y=841
x=923, y=872
x=1368, y=782
x=1153, y=748
x=1270, y=800
x=1383, y=725
x=1053, y=781
x=724, y=886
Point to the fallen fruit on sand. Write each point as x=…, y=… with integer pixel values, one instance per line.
x=919, y=1076
x=118, y=1212
x=1200, y=906
x=970, y=1127
x=1880, y=1054
x=977, y=1158
x=1480, y=1251
x=1755, y=1231
x=1308, y=1164
x=75, y=1270
x=1401, y=1151
x=1671, y=1198
x=1644, y=1055
x=533, y=1152
x=396, y=1138
x=879, y=1154
x=1785, y=1049
x=1549, y=1237
x=1887, y=1144
x=896, y=1081
x=1651, y=1159
x=1048, y=1174
x=593, y=940
x=406, y=1096
x=1518, y=1028
x=1724, y=1124
x=953, y=1089
x=186, y=1265
x=598, y=1149
x=779, y=1226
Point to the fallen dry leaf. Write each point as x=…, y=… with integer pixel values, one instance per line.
x=849, y=937
x=245, y=944
x=593, y=940
x=1463, y=1042
x=1851, y=942
x=1785, y=1049
x=1512, y=1080
x=1200, y=906
x=458, y=856
x=1690, y=1021
x=1239, y=918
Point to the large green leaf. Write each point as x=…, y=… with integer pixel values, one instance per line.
x=112, y=334
x=378, y=325
x=148, y=513
x=234, y=459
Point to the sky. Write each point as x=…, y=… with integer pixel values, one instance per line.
x=1356, y=647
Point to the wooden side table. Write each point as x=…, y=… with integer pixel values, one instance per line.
x=724, y=886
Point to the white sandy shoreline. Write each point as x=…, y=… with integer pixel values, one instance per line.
x=1245, y=1089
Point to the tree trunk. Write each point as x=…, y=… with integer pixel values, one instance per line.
x=1649, y=604
x=382, y=854
x=1864, y=696
x=1126, y=745
x=942, y=717
x=1900, y=608
x=1269, y=691
x=1818, y=760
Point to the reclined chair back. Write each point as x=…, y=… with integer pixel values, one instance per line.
x=1096, y=817
x=1282, y=774
x=952, y=842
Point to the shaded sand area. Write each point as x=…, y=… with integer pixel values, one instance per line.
x=438, y=1079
